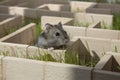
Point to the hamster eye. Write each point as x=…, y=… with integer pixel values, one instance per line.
x=57, y=34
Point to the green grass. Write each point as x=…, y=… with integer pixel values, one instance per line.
x=77, y=59
x=74, y=58
x=45, y=57
x=38, y=26
x=37, y=21
x=116, y=22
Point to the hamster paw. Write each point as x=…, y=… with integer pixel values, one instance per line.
x=51, y=48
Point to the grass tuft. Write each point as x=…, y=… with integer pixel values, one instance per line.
x=116, y=22
x=38, y=24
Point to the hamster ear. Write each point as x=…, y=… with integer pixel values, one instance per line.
x=48, y=26
x=60, y=25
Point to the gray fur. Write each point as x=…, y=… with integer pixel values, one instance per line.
x=53, y=36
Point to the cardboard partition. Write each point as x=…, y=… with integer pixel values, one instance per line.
x=19, y=68
x=68, y=72
x=96, y=47
x=35, y=13
x=93, y=7
x=75, y=31
x=11, y=2
x=1, y=67
x=27, y=51
x=98, y=11
x=106, y=20
x=55, y=7
x=92, y=32
x=25, y=35
x=24, y=4
x=12, y=68
x=4, y=17
x=66, y=21
x=4, y=10
x=78, y=17
x=115, y=8
x=108, y=67
x=37, y=3
x=81, y=6
x=115, y=47
x=103, y=33
x=9, y=24
x=49, y=69
x=31, y=3
x=42, y=12
x=4, y=2
x=95, y=25
x=26, y=12
x=55, y=20
x=81, y=20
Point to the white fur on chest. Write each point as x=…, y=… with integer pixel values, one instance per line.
x=41, y=42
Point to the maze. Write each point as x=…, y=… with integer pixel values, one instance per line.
x=93, y=52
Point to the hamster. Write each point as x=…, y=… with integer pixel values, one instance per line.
x=53, y=36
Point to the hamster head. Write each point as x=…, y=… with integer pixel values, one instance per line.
x=53, y=36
